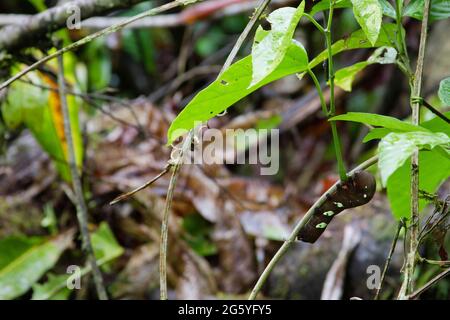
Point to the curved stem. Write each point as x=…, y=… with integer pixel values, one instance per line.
x=401, y=36
x=176, y=167
x=408, y=281
x=314, y=22
x=319, y=92
x=298, y=227
x=332, y=109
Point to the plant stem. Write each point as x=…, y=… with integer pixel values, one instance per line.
x=401, y=35
x=186, y=145
x=298, y=227
x=314, y=22
x=332, y=109
x=82, y=212
x=165, y=220
x=429, y=284
x=389, y=258
x=408, y=281
x=257, y=13
x=319, y=91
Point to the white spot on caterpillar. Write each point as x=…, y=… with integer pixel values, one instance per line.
x=338, y=204
x=328, y=213
x=321, y=225
x=365, y=195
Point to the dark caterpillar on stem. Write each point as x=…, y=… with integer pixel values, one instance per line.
x=356, y=191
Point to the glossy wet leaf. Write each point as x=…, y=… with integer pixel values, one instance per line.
x=24, y=261
x=368, y=14
x=232, y=86
x=444, y=91
x=395, y=148
x=268, y=52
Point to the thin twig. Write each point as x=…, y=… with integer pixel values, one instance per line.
x=91, y=37
x=145, y=185
x=429, y=284
x=389, y=258
x=298, y=227
x=258, y=12
x=408, y=281
x=424, y=103
x=82, y=211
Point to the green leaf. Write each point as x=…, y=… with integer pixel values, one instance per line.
x=378, y=120
x=444, y=91
x=376, y=133
x=395, y=148
x=268, y=53
x=232, y=86
x=24, y=261
x=437, y=124
x=40, y=111
x=369, y=15
x=344, y=77
x=434, y=125
x=358, y=40
x=106, y=249
x=434, y=170
x=325, y=5
x=55, y=288
x=105, y=244
x=440, y=9
x=388, y=9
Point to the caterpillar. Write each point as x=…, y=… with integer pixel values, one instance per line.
x=356, y=191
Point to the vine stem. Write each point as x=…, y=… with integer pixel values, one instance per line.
x=93, y=36
x=408, y=281
x=332, y=109
x=401, y=35
x=82, y=211
x=165, y=220
x=298, y=227
x=186, y=145
x=389, y=258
